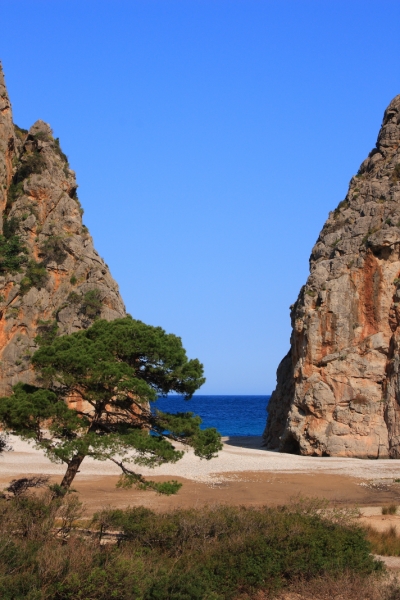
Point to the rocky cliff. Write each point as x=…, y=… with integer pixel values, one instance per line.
x=52, y=280
x=338, y=388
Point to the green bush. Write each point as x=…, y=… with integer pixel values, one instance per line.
x=46, y=332
x=53, y=250
x=91, y=304
x=60, y=153
x=31, y=163
x=13, y=253
x=197, y=554
x=10, y=227
x=389, y=510
x=43, y=136
x=35, y=276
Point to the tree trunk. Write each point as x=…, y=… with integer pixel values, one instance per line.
x=73, y=468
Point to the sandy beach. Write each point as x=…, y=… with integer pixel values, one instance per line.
x=243, y=473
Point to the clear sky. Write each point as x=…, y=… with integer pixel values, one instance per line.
x=211, y=138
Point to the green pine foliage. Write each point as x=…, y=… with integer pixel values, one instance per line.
x=117, y=368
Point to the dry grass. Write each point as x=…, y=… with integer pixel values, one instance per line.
x=385, y=543
x=346, y=587
x=389, y=510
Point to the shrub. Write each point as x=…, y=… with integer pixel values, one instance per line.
x=10, y=227
x=43, y=136
x=12, y=253
x=32, y=163
x=73, y=280
x=53, y=250
x=385, y=543
x=389, y=510
x=396, y=173
x=91, y=304
x=14, y=191
x=35, y=276
x=342, y=205
x=58, y=150
x=46, y=332
x=20, y=132
x=215, y=554
x=74, y=298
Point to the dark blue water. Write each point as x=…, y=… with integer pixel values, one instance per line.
x=231, y=415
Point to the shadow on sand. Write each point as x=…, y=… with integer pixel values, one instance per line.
x=254, y=442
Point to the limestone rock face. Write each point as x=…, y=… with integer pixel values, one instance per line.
x=338, y=388
x=52, y=280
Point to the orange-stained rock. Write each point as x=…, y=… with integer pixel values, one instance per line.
x=46, y=210
x=338, y=388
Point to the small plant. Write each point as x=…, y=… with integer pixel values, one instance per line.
x=43, y=136
x=391, y=509
x=60, y=153
x=35, y=276
x=396, y=173
x=31, y=163
x=21, y=133
x=10, y=227
x=53, y=250
x=311, y=293
x=46, y=332
x=342, y=205
x=389, y=222
x=73, y=280
x=396, y=281
x=74, y=298
x=335, y=243
x=12, y=254
x=91, y=304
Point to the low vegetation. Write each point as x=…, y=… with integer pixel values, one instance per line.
x=221, y=553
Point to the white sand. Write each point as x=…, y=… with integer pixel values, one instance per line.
x=25, y=459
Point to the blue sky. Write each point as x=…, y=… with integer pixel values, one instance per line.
x=211, y=138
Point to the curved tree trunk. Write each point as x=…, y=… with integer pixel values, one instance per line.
x=73, y=468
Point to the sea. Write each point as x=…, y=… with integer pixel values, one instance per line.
x=231, y=415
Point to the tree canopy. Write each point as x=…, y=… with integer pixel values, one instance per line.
x=96, y=387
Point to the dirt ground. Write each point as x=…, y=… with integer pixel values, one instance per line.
x=240, y=488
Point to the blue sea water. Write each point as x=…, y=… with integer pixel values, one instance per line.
x=231, y=415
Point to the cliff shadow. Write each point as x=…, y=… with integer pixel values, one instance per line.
x=254, y=442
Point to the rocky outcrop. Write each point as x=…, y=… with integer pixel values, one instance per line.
x=338, y=388
x=52, y=280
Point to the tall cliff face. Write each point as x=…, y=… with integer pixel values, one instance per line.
x=52, y=280
x=338, y=388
